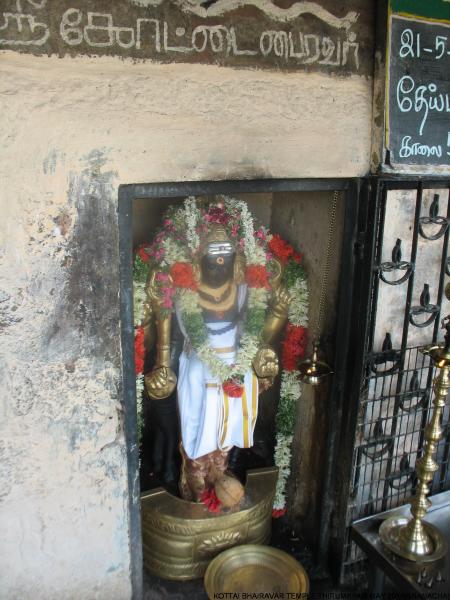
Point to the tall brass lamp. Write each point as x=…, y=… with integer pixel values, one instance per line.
x=414, y=538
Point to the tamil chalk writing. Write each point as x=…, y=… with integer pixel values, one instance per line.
x=98, y=30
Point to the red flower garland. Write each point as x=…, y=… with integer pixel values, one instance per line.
x=183, y=276
x=233, y=388
x=256, y=276
x=294, y=347
x=283, y=250
x=217, y=214
x=139, y=350
x=142, y=252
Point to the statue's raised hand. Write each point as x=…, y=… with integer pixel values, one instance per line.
x=160, y=382
x=281, y=299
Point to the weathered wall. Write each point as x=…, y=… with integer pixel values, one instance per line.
x=71, y=131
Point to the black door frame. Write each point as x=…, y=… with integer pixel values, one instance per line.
x=130, y=192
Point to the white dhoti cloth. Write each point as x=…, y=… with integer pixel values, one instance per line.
x=209, y=418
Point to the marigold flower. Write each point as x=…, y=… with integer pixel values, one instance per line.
x=283, y=250
x=256, y=276
x=142, y=252
x=294, y=347
x=183, y=276
x=139, y=350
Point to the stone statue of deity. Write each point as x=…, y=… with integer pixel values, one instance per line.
x=214, y=274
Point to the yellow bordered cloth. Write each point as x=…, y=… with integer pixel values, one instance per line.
x=238, y=416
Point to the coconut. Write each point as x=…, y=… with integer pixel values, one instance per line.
x=229, y=491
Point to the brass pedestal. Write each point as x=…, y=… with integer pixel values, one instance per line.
x=180, y=538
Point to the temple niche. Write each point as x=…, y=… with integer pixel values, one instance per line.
x=214, y=430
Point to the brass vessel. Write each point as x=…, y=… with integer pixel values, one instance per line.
x=253, y=570
x=180, y=538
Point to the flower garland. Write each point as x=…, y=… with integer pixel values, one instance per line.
x=171, y=255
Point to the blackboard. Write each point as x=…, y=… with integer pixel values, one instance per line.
x=418, y=94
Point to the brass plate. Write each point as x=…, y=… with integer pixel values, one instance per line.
x=255, y=569
x=390, y=530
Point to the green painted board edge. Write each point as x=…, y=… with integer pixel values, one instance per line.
x=431, y=9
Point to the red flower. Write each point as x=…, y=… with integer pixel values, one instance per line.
x=217, y=214
x=139, y=350
x=256, y=276
x=209, y=498
x=142, y=252
x=183, y=276
x=233, y=388
x=278, y=512
x=283, y=250
x=294, y=347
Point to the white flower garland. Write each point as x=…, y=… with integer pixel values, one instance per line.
x=139, y=299
x=282, y=458
x=173, y=252
x=290, y=393
x=298, y=308
x=248, y=347
x=192, y=217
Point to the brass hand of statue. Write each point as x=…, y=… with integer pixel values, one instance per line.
x=266, y=363
x=281, y=300
x=160, y=382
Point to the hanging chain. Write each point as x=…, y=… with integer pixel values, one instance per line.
x=327, y=263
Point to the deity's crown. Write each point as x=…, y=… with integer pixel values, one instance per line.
x=217, y=240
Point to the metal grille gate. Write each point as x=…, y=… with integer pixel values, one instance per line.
x=408, y=262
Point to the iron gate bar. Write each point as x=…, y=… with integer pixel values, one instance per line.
x=364, y=481
x=406, y=324
x=437, y=322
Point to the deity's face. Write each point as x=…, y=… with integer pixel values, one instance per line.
x=217, y=267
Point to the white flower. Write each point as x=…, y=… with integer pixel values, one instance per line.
x=282, y=457
x=258, y=256
x=139, y=299
x=139, y=390
x=257, y=298
x=298, y=308
x=189, y=302
x=246, y=353
x=139, y=407
x=290, y=385
x=192, y=217
x=173, y=252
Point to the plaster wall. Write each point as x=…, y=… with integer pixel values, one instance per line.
x=71, y=131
